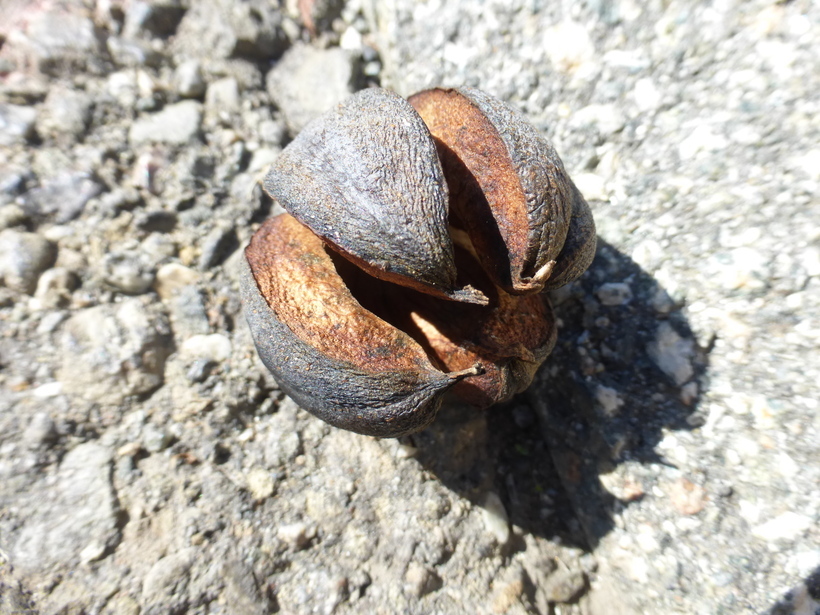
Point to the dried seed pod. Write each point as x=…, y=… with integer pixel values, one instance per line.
x=508, y=189
x=366, y=178
x=332, y=356
x=374, y=299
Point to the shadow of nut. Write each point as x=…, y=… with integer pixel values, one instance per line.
x=418, y=236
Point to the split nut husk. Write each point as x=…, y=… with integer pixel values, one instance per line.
x=418, y=237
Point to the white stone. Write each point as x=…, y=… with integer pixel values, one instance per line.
x=568, y=46
x=171, y=277
x=647, y=96
x=49, y=389
x=351, y=39
x=591, y=185
x=260, y=483
x=787, y=526
x=701, y=139
x=495, y=518
x=672, y=354
x=608, y=119
x=609, y=400
x=216, y=347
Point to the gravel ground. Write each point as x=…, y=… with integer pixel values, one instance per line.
x=666, y=458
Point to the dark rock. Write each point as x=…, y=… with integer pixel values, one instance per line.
x=217, y=246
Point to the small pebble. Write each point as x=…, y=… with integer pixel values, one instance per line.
x=200, y=370
x=23, y=258
x=260, y=483
x=176, y=124
x=54, y=287
x=129, y=272
x=565, y=586
x=16, y=123
x=188, y=79
x=172, y=277
x=296, y=535
x=614, y=293
x=672, y=354
x=41, y=431
x=786, y=526
x=215, y=347
x=155, y=439
x=420, y=580
x=495, y=518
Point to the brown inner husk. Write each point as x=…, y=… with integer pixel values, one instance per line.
x=486, y=194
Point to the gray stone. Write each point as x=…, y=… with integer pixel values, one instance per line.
x=176, y=124
x=112, y=351
x=23, y=257
x=217, y=246
x=153, y=17
x=54, y=287
x=189, y=315
x=41, y=431
x=64, y=196
x=155, y=439
x=565, y=586
x=222, y=96
x=16, y=123
x=188, y=79
x=165, y=588
x=81, y=510
x=133, y=52
x=128, y=271
x=227, y=29
x=62, y=42
x=614, y=293
x=308, y=81
x=65, y=111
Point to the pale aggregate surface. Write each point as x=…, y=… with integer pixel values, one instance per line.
x=666, y=461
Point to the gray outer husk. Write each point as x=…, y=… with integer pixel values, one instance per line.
x=579, y=248
x=541, y=172
x=366, y=177
x=386, y=404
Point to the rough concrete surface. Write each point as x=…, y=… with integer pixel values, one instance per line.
x=664, y=461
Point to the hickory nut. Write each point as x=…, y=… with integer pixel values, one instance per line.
x=418, y=236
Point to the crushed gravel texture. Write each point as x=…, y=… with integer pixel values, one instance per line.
x=666, y=458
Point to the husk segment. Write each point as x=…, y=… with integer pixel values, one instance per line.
x=373, y=380
x=366, y=178
x=508, y=186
